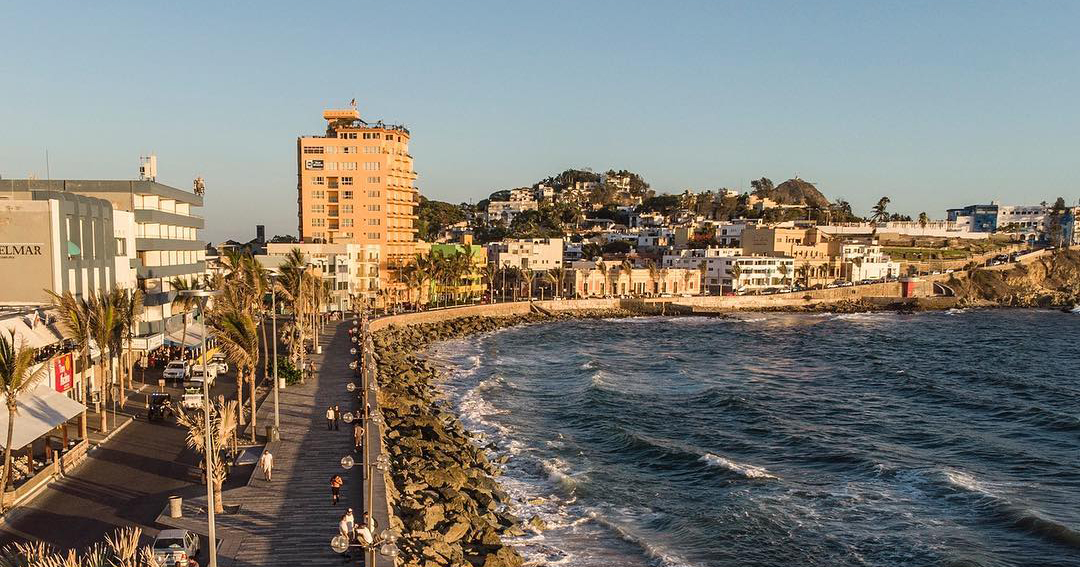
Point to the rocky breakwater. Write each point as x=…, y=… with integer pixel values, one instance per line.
x=441, y=488
x=1050, y=281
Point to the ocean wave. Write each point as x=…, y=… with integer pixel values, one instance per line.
x=991, y=498
x=662, y=556
x=558, y=473
x=745, y=470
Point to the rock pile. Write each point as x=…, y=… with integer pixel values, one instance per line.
x=442, y=490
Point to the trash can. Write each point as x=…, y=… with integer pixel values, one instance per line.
x=318, y=349
x=272, y=434
x=175, y=505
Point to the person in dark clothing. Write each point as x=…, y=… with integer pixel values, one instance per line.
x=335, y=487
x=337, y=417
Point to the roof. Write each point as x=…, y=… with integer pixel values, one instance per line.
x=39, y=411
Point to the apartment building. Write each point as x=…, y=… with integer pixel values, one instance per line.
x=529, y=253
x=1029, y=220
x=356, y=185
x=164, y=236
x=352, y=270
x=748, y=273
x=506, y=211
x=866, y=262
x=586, y=280
x=811, y=249
x=692, y=258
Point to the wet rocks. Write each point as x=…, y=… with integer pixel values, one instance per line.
x=442, y=487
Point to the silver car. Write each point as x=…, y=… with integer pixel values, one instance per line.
x=175, y=548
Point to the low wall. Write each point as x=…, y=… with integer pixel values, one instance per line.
x=490, y=310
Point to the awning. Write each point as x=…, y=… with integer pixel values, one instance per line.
x=174, y=333
x=39, y=411
x=29, y=331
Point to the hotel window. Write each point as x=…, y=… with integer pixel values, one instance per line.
x=331, y=149
x=374, y=179
x=319, y=181
x=318, y=194
x=346, y=180
x=348, y=150
x=374, y=193
x=371, y=149
x=347, y=195
x=331, y=166
x=346, y=222
x=348, y=235
x=318, y=222
x=349, y=165
x=374, y=222
x=374, y=207
x=373, y=235
x=346, y=209
x=318, y=208
x=371, y=166
x=313, y=150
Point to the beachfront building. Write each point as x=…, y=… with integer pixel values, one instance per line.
x=588, y=279
x=1031, y=221
x=527, y=253
x=692, y=258
x=464, y=285
x=166, y=242
x=356, y=185
x=350, y=270
x=866, y=262
x=816, y=255
x=742, y=274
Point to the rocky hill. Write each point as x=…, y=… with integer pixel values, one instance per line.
x=1051, y=281
x=793, y=192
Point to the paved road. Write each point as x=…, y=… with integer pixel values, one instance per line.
x=124, y=482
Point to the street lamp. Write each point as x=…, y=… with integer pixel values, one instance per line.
x=202, y=296
x=386, y=543
x=273, y=309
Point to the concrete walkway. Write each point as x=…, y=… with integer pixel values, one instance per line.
x=291, y=520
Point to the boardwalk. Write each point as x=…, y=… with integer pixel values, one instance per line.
x=291, y=520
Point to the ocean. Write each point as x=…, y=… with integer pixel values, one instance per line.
x=776, y=439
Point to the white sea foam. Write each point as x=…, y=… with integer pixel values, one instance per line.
x=745, y=470
x=662, y=556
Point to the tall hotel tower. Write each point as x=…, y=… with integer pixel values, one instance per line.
x=356, y=185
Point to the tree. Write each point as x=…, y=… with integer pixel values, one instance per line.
x=17, y=375
x=924, y=220
x=529, y=276
x=130, y=309
x=616, y=247
x=184, y=303
x=222, y=426
x=74, y=316
x=104, y=322
x=736, y=273
x=236, y=334
x=119, y=550
x=783, y=269
x=879, y=212
x=703, y=270
x=762, y=186
x=436, y=216
x=591, y=250
x=654, y=276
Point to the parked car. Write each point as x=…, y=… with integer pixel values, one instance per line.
x=196, y=378
x=192, y=399
x=176, y=370
x=175, y=548
x=220, y=362
x=159, y=405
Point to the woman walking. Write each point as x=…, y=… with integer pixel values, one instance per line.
x=335, y=487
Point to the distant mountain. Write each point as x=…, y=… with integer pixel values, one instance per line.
x=791, y=192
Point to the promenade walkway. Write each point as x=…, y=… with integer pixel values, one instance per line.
x=291, y=520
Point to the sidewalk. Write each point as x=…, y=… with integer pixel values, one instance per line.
x=290, y=521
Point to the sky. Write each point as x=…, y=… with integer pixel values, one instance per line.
x=934, y=104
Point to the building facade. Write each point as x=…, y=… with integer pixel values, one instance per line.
x=356, y=185
x=351, y=270
x=529, y=253
x=742, y=274
x=586, y=281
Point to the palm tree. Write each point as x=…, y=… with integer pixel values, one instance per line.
x=783, y=269
x=74, y=316
x=491, y=271
x=688, y=275
x=529, y=276
x=735, y=272
x=239, y=340
x=553, y=278
x=654, y=275
x=184, y=303
x=222, y=425
x=924, y=220
x=603, y=267
x=104, y=322
x=879, y=212
x=803, y=272
x=703, y=270
x=131, y=308
x=119, y=550
x=17, y=375
x=560, y=279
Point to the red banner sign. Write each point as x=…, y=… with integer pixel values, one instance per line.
x=64, y=372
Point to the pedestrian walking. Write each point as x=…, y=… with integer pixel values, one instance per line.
x=266, y=461
x=329, y=418
x=337, y=417
x=350, y=521
x=358, y=437
x=335, y=487
x=345, y=527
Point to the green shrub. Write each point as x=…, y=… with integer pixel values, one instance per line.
x=287, y=371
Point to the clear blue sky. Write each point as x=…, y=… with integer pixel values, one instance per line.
x=935, y=104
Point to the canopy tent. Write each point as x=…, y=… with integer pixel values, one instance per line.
x=30, y=330
x=174, y=333
x=39, y=411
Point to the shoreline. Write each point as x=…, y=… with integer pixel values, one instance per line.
x=442, y=488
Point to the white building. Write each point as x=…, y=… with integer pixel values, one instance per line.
x=866, y=262
x=748, y=273
x=352, y=269
x=506, y=211
x=530, y=253
x=691, y=258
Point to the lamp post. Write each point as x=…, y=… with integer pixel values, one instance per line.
x=385, y=543
x=273, y=315
x=202, y=296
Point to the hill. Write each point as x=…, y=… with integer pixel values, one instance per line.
x=791, y=192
